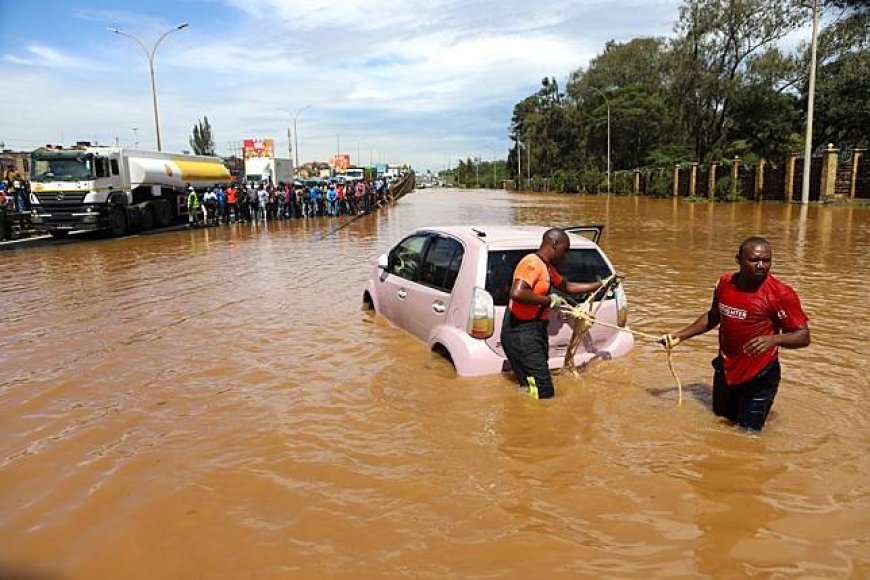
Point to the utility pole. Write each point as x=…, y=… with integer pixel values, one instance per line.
x=519, y=162
x=529, y=161
x=290, y=151
x=808, y=144
x=295, y=115
x=477, y=171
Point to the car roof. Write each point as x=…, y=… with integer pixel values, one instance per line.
x=497, y=236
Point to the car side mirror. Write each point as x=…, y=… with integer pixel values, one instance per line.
x=383, y=262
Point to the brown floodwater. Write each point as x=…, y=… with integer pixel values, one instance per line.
x=215, y=404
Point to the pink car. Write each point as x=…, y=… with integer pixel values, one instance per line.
x=449, y=287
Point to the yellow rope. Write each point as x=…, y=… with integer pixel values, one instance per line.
x=581, y=324
x=588, y=319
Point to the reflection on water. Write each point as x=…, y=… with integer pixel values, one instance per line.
x=214, y=403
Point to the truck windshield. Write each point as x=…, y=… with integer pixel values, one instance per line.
x=62, y=168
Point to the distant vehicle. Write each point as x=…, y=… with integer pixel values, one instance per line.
x=268, y=170
x=449, y=286
x=354, y=174
x=115, y=189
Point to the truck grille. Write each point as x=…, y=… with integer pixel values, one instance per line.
x=59, y=201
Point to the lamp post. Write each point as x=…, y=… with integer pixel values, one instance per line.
x=150, y=57
x=520, y=148
x=295, y=116
x=811, y=93
x=606, y=102
x=477, y=172
x=494, y=157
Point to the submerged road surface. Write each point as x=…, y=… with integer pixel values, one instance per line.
x=214, y=404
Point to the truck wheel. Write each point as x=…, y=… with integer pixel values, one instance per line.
x=59, y=234
x=147, y=222
x=164, y=214
x=118, y=220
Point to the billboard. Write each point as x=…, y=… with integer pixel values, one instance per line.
x=341, y=161
x=258, y=148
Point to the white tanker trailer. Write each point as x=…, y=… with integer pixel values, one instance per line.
x=115, y=189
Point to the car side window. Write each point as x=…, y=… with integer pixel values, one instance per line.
x=114, y=165
x=404, y=260
x=442, y=262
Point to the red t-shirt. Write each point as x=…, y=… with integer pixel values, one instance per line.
x=772, y=307
x=231, y=195
x=538, y=275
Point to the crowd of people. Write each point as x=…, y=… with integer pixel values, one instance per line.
x=249, y=202
x=14, y=191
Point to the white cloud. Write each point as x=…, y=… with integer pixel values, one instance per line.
x=40, y=55
x=416, y=81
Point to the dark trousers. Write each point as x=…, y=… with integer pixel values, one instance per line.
x=749, y=403
x=527, y=347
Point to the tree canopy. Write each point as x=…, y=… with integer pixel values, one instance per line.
x=202, y=140
x=723, y=84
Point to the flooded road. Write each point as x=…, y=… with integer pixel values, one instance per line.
x=215, y=404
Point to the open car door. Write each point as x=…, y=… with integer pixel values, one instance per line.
x=590, y=231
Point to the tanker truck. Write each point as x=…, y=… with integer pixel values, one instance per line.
x=115, y=189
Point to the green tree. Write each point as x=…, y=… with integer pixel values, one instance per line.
x=631, y=76
x=717, y=42
x=842, y=108
x=202, y=140
x=765, y=123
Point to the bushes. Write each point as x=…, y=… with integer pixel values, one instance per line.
x=660, y=183
x=723, y=189
x=593, y=181
x=621, y=183
x=565, y=181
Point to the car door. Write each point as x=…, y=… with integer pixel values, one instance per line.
x=428, y=300
x=393, y=286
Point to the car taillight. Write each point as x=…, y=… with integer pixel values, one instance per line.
x=481, y=315
x=621, y=306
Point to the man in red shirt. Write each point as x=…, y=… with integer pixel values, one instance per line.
x=524, y=330
x=756, y=314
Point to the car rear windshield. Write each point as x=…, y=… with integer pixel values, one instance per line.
x=580, y=265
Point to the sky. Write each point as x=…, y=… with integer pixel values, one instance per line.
x=417, y=82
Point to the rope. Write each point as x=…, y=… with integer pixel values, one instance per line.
x=588, y=319
x=582, y=323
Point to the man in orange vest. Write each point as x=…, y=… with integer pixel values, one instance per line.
x=524, y=330
x=231, y=206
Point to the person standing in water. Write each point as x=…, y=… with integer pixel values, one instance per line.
x=756, y=315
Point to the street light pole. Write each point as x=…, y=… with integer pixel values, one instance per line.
x=295, y=135
x=150, y=57
x=808, y=145
x=607, y=103
x=519, y=163
x=477, y=172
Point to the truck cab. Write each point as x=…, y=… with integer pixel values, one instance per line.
x=69, y=188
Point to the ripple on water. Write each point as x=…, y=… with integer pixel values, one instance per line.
x=195, y=389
